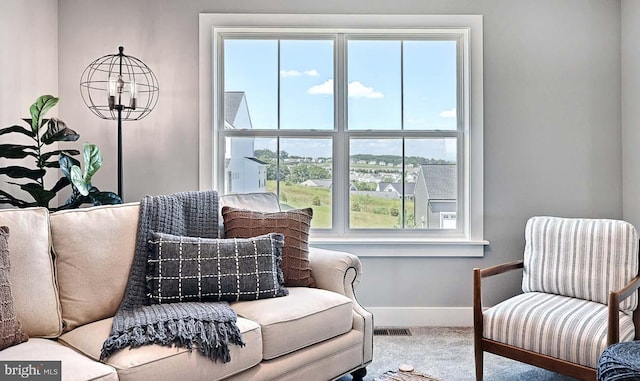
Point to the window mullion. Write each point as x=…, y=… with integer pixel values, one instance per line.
x=340, y=189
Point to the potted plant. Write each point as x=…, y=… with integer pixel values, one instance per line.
x=44, y=132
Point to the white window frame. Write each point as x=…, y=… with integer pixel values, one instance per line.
x=470, y=241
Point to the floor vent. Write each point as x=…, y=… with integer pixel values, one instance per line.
x=392, y=332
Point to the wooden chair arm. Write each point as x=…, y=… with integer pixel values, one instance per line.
x=478, y=274
x=502, y=268
x=615, y=297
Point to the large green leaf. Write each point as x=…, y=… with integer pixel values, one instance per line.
x=17, y=151
x=66, y=162
x=18, y=129
x=104, y=198
x=44, y=158
x=40, y=195
x=7, y=198
x=39, y=108
x=59, y=132
x=61, y=184
x=79, y=181
x=17, y=172
x=92, y=160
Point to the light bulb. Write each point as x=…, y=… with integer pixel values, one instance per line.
x=112, y=86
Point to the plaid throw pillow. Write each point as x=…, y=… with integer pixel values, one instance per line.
x=10, y=328
x=190, y=269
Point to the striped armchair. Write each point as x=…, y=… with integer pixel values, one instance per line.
x=580, y=281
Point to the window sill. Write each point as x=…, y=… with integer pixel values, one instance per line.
x=380, y=247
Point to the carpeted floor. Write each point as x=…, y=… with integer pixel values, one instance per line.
x=447, y=354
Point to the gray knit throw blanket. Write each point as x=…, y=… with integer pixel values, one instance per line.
x=210, y=326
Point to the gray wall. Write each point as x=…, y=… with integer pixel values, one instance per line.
x=28, y=68
x=630, y=110
x=552, y=116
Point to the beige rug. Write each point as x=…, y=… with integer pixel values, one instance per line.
x=395, y=375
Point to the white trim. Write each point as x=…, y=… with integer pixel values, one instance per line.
x=422, y=316
x=404, y=247
x=473, y=167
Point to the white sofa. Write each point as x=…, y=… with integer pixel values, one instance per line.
x=66, y=302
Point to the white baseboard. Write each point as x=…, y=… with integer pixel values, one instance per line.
x=422, y=316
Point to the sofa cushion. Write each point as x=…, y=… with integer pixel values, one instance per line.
x=155, y=362
x=293, y=224
x=75, y=366
x=193, y=269
x=10, y=328
x=260, y=201
x=579, y=326
x=36, y=303
x=305, y=317
x=94, y=250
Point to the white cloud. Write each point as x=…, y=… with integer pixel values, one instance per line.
x=290, y=73
x=325, y=88
x=358, y=90
x=449, y=113
x=297, y=73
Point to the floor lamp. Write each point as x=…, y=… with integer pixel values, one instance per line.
x=119, y=87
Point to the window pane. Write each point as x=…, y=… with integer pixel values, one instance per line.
x=375, y=194
x=306, y=84
x=305, y=169
x=373, y=85
x=431, y=173
x=429, y=85
x=251, y=89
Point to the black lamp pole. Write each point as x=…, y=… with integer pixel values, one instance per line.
x=119, y=87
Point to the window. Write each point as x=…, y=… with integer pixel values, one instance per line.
x=369, y=125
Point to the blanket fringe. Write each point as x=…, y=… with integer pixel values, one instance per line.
x=211, y=338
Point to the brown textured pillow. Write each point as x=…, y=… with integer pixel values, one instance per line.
x=10, y=328
x=293, y=224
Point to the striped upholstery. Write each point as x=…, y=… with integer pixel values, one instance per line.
x=581, y=258
x=562, y=327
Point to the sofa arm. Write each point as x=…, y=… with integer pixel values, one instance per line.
x=336, y=271
x=340, y=272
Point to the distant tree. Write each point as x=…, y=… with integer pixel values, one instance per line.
x=305, y=171
x=265, y=154
x=364, y=186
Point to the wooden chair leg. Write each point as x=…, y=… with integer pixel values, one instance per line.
x=479, y=360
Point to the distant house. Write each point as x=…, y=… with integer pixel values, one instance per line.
x=324, y=183
x=321, y=183
x=409, y=188
x=435, y=196
x=243, y=172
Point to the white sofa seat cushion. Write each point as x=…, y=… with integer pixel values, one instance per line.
x=558, y=326
x=305, y=317
x=32, y=276
x=156, y=362
x=75, y=366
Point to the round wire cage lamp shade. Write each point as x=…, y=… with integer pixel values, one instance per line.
x=119, y=84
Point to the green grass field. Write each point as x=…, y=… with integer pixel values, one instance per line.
x=366, y=212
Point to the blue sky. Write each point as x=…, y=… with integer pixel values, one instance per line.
x=374, y=89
